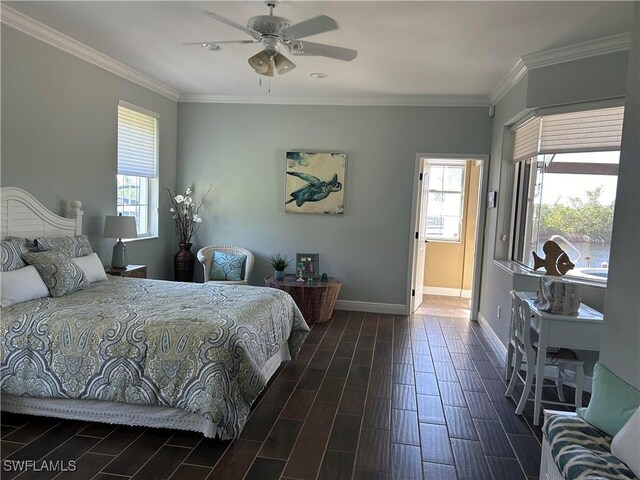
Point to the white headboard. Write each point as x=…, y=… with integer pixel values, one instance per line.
x=21, y=215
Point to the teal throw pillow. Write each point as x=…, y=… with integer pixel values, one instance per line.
x=227, y=266
x=613, y=401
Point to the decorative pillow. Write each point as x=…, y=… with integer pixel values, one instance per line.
x=92, y=267
x=21, y=285
x=58, y=272
x=626, y=444
x=71, y=245
x=613, y=401
x=29, y=243
x=227, y=266
x=12, y=252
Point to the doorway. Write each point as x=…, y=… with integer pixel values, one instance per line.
x=448, y=221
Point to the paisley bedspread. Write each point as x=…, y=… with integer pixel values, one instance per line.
x=197, y=347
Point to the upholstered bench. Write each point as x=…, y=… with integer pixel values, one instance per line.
x=574, y=449
x=601, y=441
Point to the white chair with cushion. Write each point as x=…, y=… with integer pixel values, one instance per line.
x=206, y=258
x=526, y=351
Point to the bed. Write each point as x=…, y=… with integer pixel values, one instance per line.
x=136, y=351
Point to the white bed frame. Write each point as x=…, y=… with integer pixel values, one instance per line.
x=22, y=215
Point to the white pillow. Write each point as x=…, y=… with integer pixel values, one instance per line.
x=92, y=267
x=626, y=444
x=21, y=285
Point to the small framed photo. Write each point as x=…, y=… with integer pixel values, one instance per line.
x=309, y=264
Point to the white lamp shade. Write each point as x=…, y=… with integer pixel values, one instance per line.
x=283, y=64
x=117, y=226
x=262, y=63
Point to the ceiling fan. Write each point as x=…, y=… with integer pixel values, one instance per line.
x=274, y=32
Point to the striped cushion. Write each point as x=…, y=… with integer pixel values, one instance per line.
x=581, y=451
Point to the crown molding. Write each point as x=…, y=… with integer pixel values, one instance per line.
x=40, y=31
x=578, y=51
x=592, y=48
x=508, y=82
x=405, y=101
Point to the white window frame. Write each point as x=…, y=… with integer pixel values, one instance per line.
x=151, y=228
x=515, y=223
x=450, y=163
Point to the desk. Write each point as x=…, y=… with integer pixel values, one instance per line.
x=315, y=300
x=581, y=332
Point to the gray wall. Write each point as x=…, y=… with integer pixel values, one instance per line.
x=59, y=138
x=571, y=82
x=620, y=342
x=240, y=150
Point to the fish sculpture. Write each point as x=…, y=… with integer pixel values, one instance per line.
x=315, y=190
x=556, y=261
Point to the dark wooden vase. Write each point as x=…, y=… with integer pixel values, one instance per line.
x=183, y=263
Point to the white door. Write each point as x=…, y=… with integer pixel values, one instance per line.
x=420, y=237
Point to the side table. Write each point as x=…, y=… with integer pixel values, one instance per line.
x=134, y=271
x=315, y=300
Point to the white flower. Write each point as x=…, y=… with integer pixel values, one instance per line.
x=185, y=211
x=197, y=218
x=172, y=209
x=188, y=201
x=188, y=192
x=179, y=198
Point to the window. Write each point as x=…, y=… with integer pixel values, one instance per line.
x=137, y=176
x=445, y=204
x=566, y=178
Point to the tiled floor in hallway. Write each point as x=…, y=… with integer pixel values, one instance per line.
x=369, y=397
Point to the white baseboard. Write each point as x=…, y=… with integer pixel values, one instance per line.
x=493, y=338
x=388, y=308
x=465, y=293
x=449, y=292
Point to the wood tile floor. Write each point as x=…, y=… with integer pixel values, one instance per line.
x=369, y=397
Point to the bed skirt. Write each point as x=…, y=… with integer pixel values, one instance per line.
x=128, y=414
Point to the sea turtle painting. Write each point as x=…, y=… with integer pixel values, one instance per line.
x=315, y=183
x=315, y=190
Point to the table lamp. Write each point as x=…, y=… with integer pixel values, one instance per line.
x=117, y=226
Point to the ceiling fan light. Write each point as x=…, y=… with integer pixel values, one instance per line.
x=283, y=64
x=262, y=63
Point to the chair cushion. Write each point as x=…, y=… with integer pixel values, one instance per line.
x=227, y=266
x=613, y=401
x=581, y=451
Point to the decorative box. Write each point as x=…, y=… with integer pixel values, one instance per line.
x=556, y=295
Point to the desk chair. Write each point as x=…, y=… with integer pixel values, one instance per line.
x=525, y=350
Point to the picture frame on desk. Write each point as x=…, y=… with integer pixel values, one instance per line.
x=309, y=264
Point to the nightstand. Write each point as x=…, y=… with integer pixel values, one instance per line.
x=134, y=271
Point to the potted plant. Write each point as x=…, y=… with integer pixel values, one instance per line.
x=279, y=262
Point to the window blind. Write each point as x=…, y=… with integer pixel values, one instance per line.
x=586, y=131
x=137, y=143
x=527, y=137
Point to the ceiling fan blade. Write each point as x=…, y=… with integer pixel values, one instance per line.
x=221, y=42
x=233, y=24
x=321, y=49
x=310, y=27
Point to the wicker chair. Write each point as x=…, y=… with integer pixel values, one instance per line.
x=205, y=256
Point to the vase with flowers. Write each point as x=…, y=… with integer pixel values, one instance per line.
x=185, y=212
